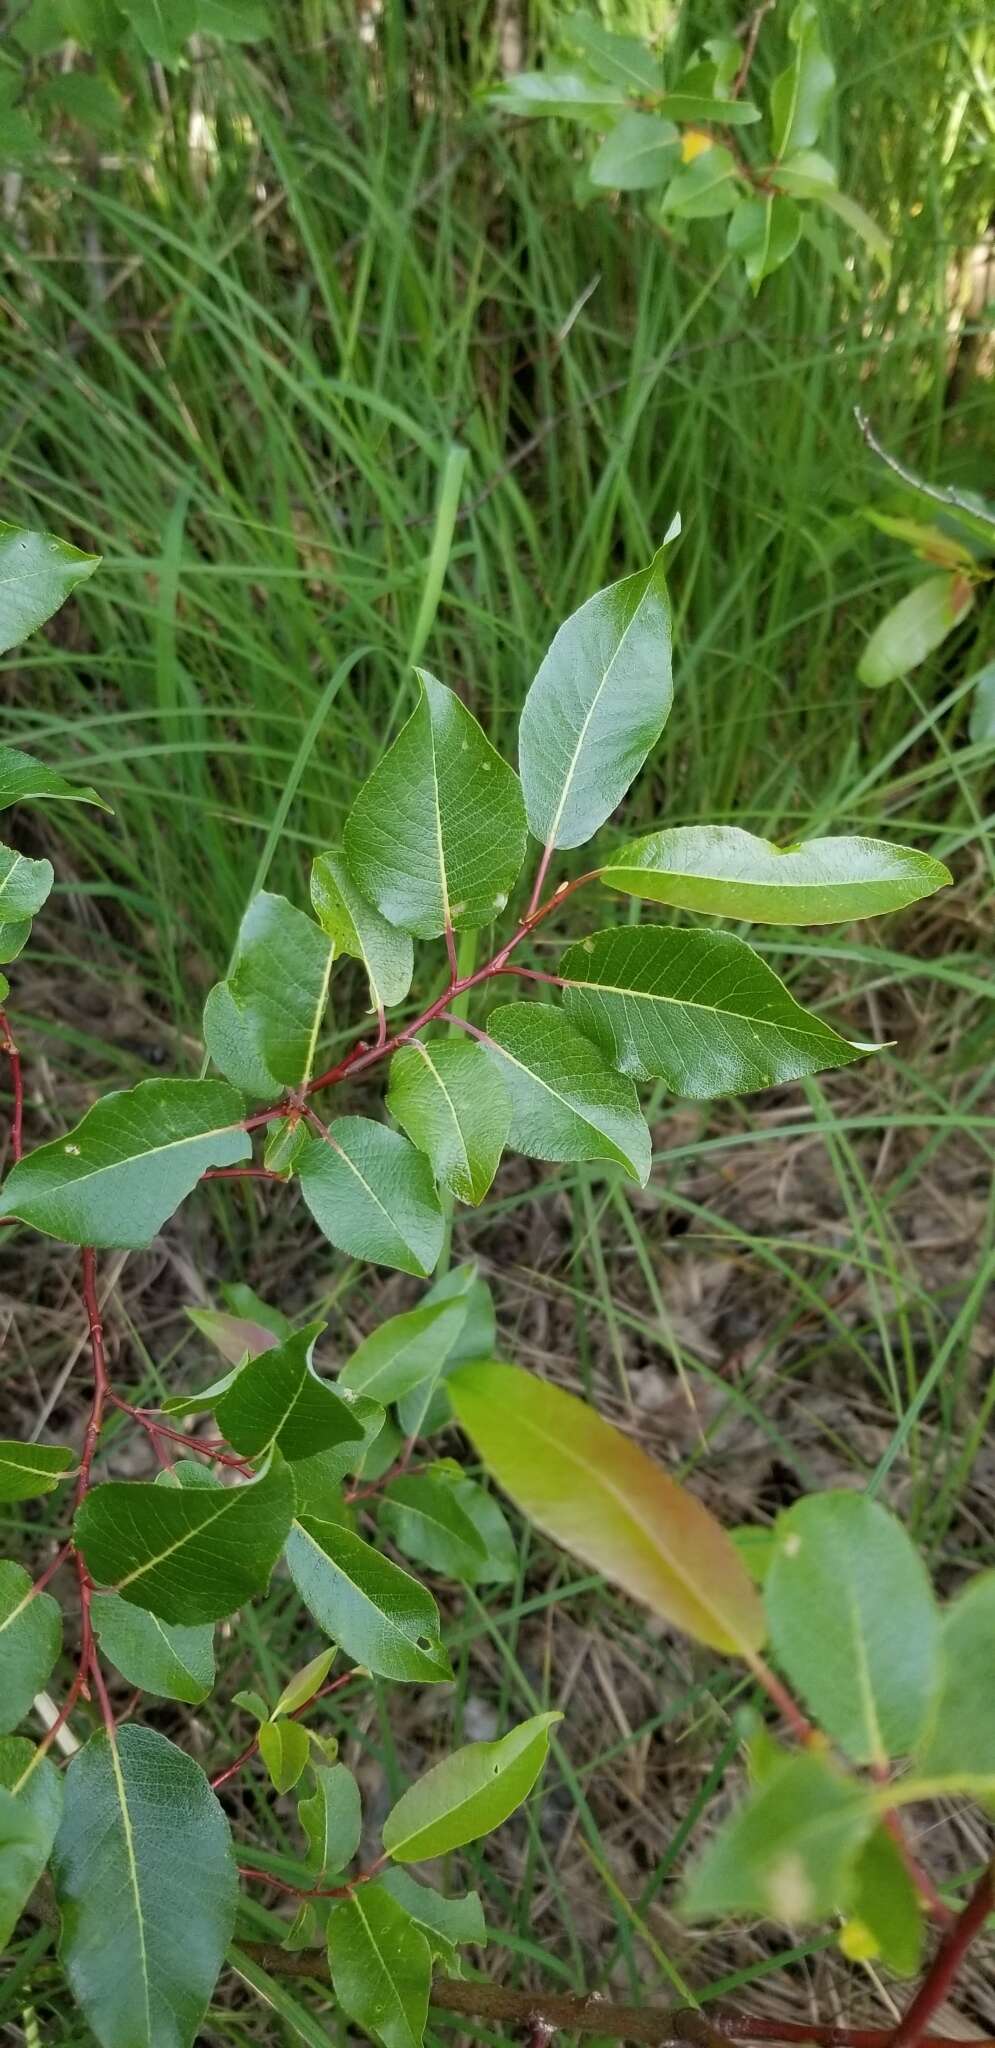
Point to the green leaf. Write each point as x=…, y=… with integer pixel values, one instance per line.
x=454, y=1106
x=357, y=928
x=163, y=27
x=706, y=187
x=373, y=1195
x=790, y=1849
x=599, y=702
x=623, y=60
x=30, y=1808
x=116, y=1178
x=695, y=107
x=638, y=153
x=14, y=935
x=233, y=21
x=700, y=1010
x=852, y=215
x=285, y=1748
x=422, y=1516
x=88, y=100
x=756, y=1546
x=405, y=1351
x=304, y=1684
x=37, y=573
x=566, y=1102
x=145, y=1882
x=176, y=1663
x=478, y=1336
x=565, y=95
x=30, y=1641
x=251, y=1703
x=262, y=1024
x=960, y=1739
x=24, y=884
x=884, y=1913
x=24, y=780
x=187, y=1554
x=381, y=1967
x=235, y=1336
x=853, y=1623
x=500, y=1551
x=445, y=1922
x=241, y=1300
x=594, y=1491
x=437, y=833
x=763, y=233
x=27, y=1470
x=332, y=1820
x=468, y=1794
x=725, y=872
x=799, y=98
x=284, y=1145
x=917, y=624
x=381, y=1617
x=278, y=1398
x=806, y=174
x=40, y=28
x=318, y=1480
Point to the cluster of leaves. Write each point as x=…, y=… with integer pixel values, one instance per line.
x=955, y=540
x=106, y=40
x=332, y=1480
x=688, y=144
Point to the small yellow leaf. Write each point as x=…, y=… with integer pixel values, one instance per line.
x=694, y=142
x=857, y=1942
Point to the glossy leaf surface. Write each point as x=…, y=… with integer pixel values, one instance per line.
x=595, y=1492
x=424, y=1519
x=30, y=1641
x=437, y=833
x=37, y=573
x=332, y=1820
x=145, y=1882
x=599, y=702
x=27, y=1470
x=853, y=1623
x=704, y=188
x=262, y=1024
x=372, y=1194
x=381, y=1967
x=699, y=1009
x=377, y=1613
x=567, y=1102
x=30, y=1809
x=116, y=1178
x=186, y=1553
x=725, y=872
x=404, y=1351
x=285, y=1749
x=468, y=1794
x=157, y=1656
x=800, y=97
x=278, y=1398
x=24, y=884
x=763, y=233
x=454, y=1106
x=357, y=928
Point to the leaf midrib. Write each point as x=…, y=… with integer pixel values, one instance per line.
x=592, y=707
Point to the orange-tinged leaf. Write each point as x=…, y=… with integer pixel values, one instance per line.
x=593, y=1490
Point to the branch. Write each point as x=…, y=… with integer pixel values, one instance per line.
x=945, y=495
x=911, y=2032
x=581, y=2012
x=17, y=1086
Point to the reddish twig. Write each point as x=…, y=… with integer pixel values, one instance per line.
x=911, y=2031
x=215, y=1452
x=17, y=1086
x=246, y=1755
x=749, y=47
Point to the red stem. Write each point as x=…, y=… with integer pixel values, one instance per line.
x=17, y=1086
x=947, y=1961
x=245, y=1756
